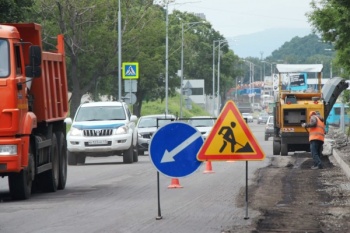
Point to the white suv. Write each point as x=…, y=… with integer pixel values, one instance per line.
x=102, y=129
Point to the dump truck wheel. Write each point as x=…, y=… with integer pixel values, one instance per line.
x=284, y=149
x=20, y=184
x=276, y=148
x=50, y=178
x=62, y=152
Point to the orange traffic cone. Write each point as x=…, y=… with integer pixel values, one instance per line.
x=208, y=168
x=174, y=184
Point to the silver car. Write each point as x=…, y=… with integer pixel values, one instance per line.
x=147, y=126
x=248, y=117
x=269, y=128
x=204, y=124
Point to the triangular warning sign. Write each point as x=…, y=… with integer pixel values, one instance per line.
x=230, y=138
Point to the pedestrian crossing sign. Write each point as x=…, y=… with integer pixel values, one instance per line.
x=130, y=70
x=230, y=138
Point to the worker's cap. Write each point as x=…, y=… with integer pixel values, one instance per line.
x=312, y=113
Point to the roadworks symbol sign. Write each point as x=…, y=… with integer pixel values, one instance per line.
x=130, y=70
x=230, y=138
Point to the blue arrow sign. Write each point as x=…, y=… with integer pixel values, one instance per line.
x=173, y=149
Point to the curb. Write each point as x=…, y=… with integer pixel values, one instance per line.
x=343, y=165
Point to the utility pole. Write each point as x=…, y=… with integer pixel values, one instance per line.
x=119, y=53
x=182, y=61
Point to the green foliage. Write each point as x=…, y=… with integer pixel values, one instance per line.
x=307, y=50
x=158, y=107
x=91, y=36
x=14, y=11
x=299, y=50
x=331, y=19
x=346, y=96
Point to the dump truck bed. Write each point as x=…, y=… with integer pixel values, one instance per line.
x=50, y=90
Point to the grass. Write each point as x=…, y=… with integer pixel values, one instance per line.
x=158, y=107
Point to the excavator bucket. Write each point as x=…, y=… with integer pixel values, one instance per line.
x=331, y=91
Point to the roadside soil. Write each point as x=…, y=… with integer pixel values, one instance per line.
x=293, y=198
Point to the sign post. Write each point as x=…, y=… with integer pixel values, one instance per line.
x=131, y=73
x=173, y=149
x=231, y=139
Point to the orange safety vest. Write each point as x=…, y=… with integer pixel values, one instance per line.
x=318, y=132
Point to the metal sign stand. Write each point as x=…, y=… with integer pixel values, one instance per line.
x=246, y=191
x=159, y=217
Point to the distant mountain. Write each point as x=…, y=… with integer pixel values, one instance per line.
x=262, y=44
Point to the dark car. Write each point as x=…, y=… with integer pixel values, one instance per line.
x=269, y=128
x=147, y=126
x=262, y=118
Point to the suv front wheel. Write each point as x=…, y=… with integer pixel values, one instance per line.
x=128, y=155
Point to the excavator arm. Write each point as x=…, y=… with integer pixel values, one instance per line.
x=331, y=91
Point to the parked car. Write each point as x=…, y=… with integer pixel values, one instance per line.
x=262, y=118
x=147, y=126
x=248, y=117
x=102, y=129
x=269, y=128
x=204, y=124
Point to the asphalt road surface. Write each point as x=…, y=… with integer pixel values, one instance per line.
x=106, y=195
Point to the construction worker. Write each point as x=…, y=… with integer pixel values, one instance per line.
x=316, y=137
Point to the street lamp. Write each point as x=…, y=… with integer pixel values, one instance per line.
x=166, y=4
x=219, y=45
x=270, y=64
x=331, y=66
x=182, y=60
x=119, y=53
x=251, y=72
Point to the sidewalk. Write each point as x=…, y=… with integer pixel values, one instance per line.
x=342, y=159
x=337, y=148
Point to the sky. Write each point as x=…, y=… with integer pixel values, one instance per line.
x=241, y=17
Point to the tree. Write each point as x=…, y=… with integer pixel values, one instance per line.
x=90, y=30
x=14, y=11
x=198, y=52
x=309, y=49
x=331, y=19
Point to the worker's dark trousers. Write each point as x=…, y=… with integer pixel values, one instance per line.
x=316, y=150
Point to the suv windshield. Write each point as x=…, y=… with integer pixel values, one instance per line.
x=100, y=113
x=4, y=58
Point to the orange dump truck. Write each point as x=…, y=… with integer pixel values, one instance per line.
x=33, y=106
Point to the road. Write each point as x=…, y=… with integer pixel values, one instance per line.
x=106, y=195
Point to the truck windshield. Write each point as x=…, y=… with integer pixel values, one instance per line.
x=4, y=58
